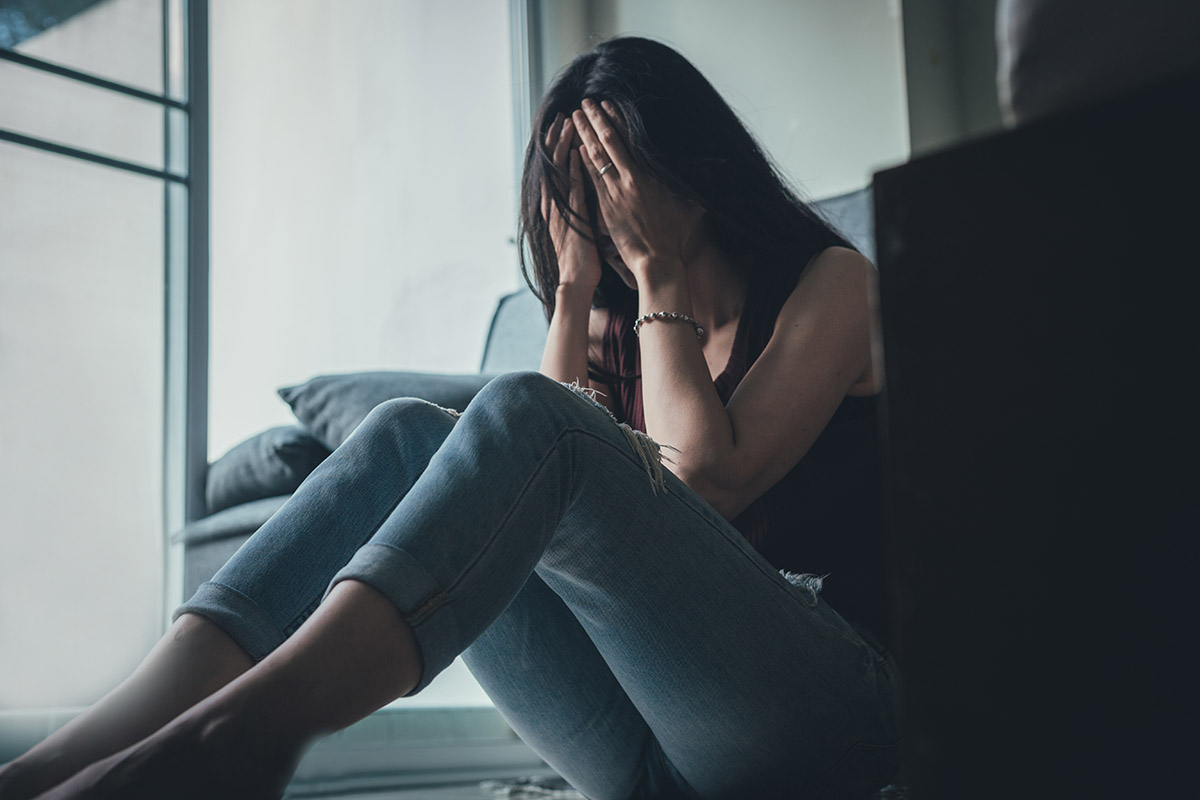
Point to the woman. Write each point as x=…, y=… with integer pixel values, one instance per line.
x=626, y=628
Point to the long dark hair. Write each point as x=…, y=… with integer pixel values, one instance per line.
x=681, y=132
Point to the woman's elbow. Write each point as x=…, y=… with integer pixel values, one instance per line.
x=715, y=488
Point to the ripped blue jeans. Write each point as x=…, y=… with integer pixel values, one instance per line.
x=626, y=631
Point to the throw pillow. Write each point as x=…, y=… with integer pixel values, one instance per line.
x=332, y=406
x=272, y=463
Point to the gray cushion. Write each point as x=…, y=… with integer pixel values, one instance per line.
x=853, y=215
x=272, y=463
x=517, y=336
x=240, y=520
x=332, y=406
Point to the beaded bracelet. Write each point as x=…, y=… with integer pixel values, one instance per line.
x=667, y=315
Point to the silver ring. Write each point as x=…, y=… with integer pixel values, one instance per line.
x=606, y=168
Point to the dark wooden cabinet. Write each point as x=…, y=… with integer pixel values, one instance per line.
x=1040, y=292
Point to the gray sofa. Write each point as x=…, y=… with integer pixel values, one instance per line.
x=250, y=482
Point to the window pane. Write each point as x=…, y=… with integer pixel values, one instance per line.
x=120, y=40
x=81, y=405
x=68, y=112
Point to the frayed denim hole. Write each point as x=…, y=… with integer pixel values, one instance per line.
x=450, y=411
x=807, y=581
x=647, y=450
x=589, y=394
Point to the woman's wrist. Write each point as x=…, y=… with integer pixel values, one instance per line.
x=574, y=293
x=659, y=274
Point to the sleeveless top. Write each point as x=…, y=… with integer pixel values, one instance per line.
x=825, y=516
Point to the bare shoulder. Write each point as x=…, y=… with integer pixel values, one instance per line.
x=835, y=272
x=836, y=297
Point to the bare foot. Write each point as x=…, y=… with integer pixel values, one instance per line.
x=191, y=758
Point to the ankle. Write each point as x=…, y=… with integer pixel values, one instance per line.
x=241, y=733
x=258, y=755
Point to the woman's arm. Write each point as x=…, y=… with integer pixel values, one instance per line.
x=566, y=354
x=575, y=329
x=576, y=334
x=821, y=347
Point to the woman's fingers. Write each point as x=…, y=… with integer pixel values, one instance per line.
x=550, y=140
x=559, y=138
x=552, y=131
x=595, y=156
x=607, y=146
x=616, y=119
x=577, y=192
x=588, y=163
x=565, y=137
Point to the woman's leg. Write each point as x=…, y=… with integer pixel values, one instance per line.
x=192, y=660
x=311, y=537
x=552, y=686
x=747, y=682
x=353, y=655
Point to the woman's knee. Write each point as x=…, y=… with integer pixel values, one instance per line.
x=526, y=393
x=406, y=410
x=404, y=418
x=517, y=386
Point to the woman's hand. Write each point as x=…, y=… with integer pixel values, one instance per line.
x=648, y=225
x=578, y=259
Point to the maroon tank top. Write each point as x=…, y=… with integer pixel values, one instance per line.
x=825, y=516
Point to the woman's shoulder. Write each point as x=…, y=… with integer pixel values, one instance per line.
x=839, y=259
x=836, y=293
x=832, y=277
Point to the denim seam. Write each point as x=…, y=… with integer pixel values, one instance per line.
x=366, y=540
x=525, y=489
x=486, y=547
x=427, y=607
x=789, y=588
x=278, y=634
x=300, y=618
x=251, y=601
x=774, y=575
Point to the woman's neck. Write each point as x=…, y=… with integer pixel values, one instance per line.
x=716, y=285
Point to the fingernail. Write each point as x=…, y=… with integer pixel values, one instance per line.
x=588, y=102
x=566, y=124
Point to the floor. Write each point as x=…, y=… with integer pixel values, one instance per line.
x=551, y=789
x=469, y=792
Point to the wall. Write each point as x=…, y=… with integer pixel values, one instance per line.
x=950, y=65
x=363, y=193
x=363, y=201
x=820, y=82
